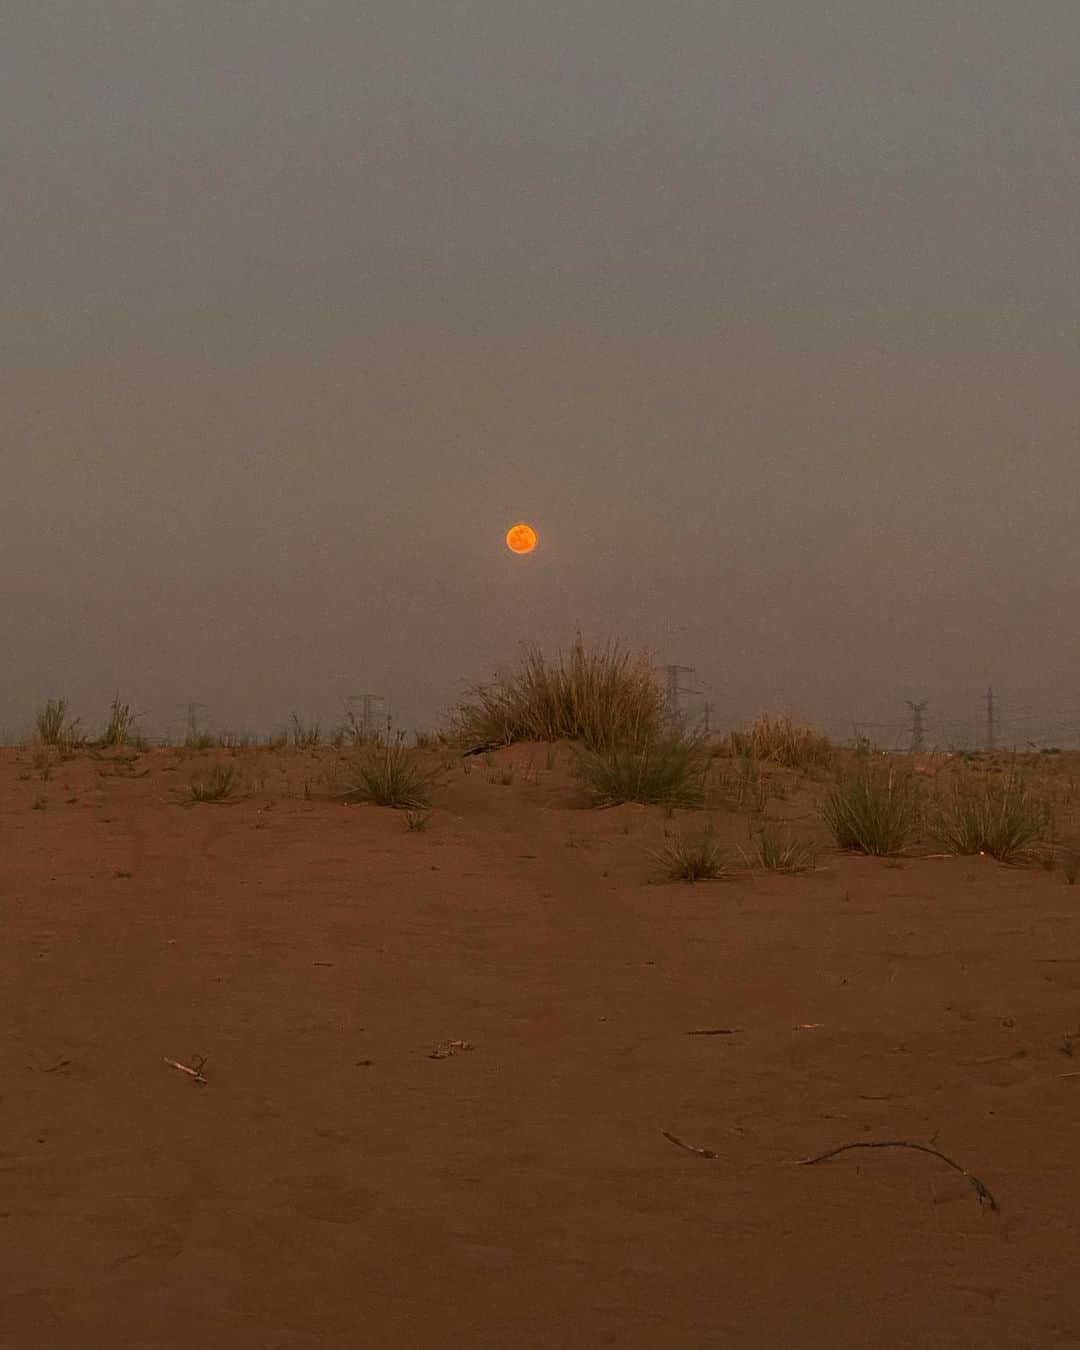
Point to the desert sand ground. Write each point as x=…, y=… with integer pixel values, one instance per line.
x=331, y=1184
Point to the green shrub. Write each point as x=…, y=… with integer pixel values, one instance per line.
x=999, y=817
x=875, y=810
x=388, y=776
x=776, y=853
x=668, y=771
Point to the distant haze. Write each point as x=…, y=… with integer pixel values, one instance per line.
x=766, y=315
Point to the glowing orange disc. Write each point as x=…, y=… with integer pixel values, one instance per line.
x=521, y=538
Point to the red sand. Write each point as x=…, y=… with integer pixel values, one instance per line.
x=332, y=1185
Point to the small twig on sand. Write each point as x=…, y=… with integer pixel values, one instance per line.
x=985, y=1198
x=701, y=1152
x=63, y=1063
x=448, y=1048
x=1060, y=1075
x=712, y=1031
x=196, y=1072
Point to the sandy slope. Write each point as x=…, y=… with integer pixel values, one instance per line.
x=331, y=1185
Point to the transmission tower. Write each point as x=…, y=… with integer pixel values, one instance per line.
x=989, y=719
x=674, y=690
x=368, y=704
x=192, y=710
x=918, y=736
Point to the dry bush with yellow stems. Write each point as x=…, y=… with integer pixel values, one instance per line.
x=779, y=739
x=601, y=697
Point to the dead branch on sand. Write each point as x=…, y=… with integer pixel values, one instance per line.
x=701, y=1152
x=196, y=1072
x=985, y=1198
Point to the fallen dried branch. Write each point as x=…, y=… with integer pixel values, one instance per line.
x=701, y=1152
x=712, y=1031
x=196, y=1072
x=983, y=1193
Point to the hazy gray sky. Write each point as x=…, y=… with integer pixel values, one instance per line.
x=765, y=313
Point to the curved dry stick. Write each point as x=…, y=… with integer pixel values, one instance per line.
x=983, y=1193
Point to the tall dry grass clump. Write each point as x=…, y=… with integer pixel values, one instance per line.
x=1001, y=817
x=602, y=697
x=119, y=729
x=780, y=740
x=876, y=809
x=53, y=727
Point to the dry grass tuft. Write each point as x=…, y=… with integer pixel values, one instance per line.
x=304, y=737
x=215, y=785
x=389, y=776
x=54, y=728
x=700, y=859
x=600, y=697
x=777, y=853
x=118, y=729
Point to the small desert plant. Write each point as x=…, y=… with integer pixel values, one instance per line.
x=387, y=776
x=356, y=733
x=747, y=783
x=236, y=740
x=1071, y=866
x=776, y=853
x=669, y=771
x=1003, y=818
x=780, y=740
x=416, y=821
x=700, y=859
x=875, y=810
x=214, y=785
x=304, y=737
x=118, y=729
x=201, y=740
x=53, y=727
x=601, y=697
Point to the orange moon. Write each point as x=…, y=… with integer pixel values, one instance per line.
x=521, y=538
